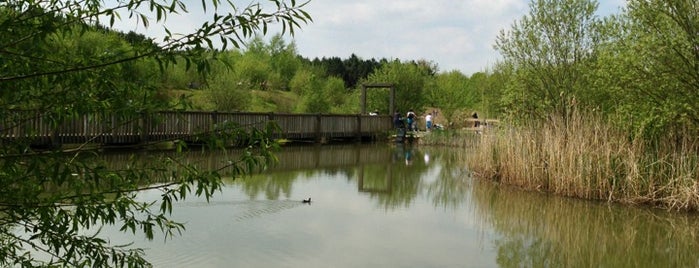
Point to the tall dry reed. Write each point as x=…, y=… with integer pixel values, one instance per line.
x=583, y=157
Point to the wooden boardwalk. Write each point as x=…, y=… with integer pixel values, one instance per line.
x=186, y=126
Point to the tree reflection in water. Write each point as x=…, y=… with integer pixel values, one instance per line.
x=547, y=231
x=527, y=229
x=534, y=230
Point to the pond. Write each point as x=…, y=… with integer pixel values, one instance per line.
x=408, y=206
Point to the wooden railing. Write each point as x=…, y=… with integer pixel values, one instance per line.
x=168, y=125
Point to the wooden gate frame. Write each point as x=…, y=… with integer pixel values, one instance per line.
x=391, y=105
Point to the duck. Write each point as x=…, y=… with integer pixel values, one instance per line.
x=307, y=200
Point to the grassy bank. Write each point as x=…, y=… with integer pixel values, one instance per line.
x=586, y=158
x=260, y=101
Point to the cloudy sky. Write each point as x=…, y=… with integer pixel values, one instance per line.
x=454, y=34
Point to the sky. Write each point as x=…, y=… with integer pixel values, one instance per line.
x=453, y=34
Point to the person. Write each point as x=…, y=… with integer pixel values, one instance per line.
x=477, y=122
x=428, y=122
x=408, y=157
x=411, y=119
x=397, y=120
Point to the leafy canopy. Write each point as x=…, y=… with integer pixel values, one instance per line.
x=60, y=60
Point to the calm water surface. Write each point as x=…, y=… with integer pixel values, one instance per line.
x=397, y=206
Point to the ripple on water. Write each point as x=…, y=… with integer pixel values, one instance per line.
x=260, y=208
x=219, y=241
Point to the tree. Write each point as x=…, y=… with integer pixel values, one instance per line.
x=409, y=80
x=302, y=80
x=228, y=92
x=336, y=93
x=653, y=67
x=268, y=66
x=351, y=70
x=315, y=101
x=284, y=60
x=453, y=91
x=256, y=69
x=550, y=50
x=56, y=59
x=317, y=94
x=490, y=85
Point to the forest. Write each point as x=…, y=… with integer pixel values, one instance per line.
x=594, y=107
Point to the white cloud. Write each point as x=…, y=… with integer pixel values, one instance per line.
x=455, y=34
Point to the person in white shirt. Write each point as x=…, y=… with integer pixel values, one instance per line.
x=428, y=122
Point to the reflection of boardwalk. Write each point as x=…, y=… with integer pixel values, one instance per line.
x=290, y=158
x=329, y=156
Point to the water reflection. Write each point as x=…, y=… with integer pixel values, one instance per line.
x=410, y=206
x=541, y=231
x=534, y=230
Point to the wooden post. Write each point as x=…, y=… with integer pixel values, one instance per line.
x=319, y=134
x=54, y=140
x=214, y=121
x=270, y=119
x=113, y=128
x=391, y=105
x=359, y=128
x=142, y=123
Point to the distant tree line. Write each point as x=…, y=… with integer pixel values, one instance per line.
x=351, y=70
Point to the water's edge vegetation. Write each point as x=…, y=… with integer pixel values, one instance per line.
x=582, y=157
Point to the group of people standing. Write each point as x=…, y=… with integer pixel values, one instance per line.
x=410, y=121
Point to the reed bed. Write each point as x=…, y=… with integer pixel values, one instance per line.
x=585, y=158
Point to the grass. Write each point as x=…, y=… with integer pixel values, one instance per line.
x=586, y=158
x=273, y=101
x=198, y=98
x=261, y=101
